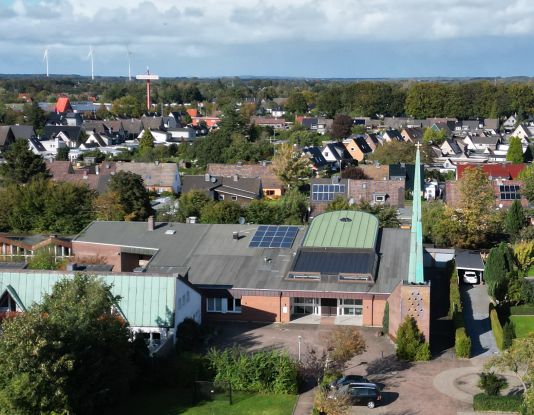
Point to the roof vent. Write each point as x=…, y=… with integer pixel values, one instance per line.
x=170, y=232
x=345, y=219
x=235, y=235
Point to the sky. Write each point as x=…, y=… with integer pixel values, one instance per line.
x=291, y=38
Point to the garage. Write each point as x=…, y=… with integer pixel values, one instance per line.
x=470, y=266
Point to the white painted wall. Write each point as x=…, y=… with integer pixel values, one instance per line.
x=188, y=304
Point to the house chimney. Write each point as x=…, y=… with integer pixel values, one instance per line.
x=235, y=235
x=150, y=223
x=236, y=177
x=207, y=177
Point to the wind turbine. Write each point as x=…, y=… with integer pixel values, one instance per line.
x=45, y=59
x=130, y=54
x=91, y=55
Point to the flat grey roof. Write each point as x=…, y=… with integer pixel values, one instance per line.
x=214, y=259
x=466, y=259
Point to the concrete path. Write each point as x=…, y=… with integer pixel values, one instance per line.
x=476, y=313
x=304, y=404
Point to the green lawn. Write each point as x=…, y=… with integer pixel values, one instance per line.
x=176, y=401
x=531, y=272
x=523, y=325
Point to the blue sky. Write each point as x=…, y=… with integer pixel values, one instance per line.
x=302, y=38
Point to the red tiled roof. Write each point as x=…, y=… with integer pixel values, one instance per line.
x=192, y=112
x=496, y=170
x=63, y=104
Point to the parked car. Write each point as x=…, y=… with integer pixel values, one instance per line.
x=345, y=380
x=363, y=393
x=470, y=277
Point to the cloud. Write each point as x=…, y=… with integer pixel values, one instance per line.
x=186, y=29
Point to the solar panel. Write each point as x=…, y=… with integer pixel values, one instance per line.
x=270, y=236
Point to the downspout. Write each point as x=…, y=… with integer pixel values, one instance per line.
x=373, y=310
x=280, y=307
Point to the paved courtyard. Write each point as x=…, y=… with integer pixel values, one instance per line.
x=408, y=388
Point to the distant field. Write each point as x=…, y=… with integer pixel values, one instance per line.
x=175, y=401
x=523, y=325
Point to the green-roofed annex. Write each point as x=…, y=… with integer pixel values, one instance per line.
x=343, y=229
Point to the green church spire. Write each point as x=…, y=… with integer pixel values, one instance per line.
x=415, y=268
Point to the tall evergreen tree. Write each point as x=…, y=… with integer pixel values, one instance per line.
x=515, y=219
x=21, y=165
x=515, y=151
x=498, y=266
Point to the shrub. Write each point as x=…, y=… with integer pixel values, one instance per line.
x=455, y=303
x=189, y=336
x=508, y=334
x=44, y=259
x=491, y=383
x=409, y=340
x=325, y=403
x=385, y=319
x=462, y=343
x=265, y=371
x=483, y=402
x=344, y=343
x=522, y=310
x=423, y=353
x=496, y=327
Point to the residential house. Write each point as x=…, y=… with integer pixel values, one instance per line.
x=210, y=122
x=272, y=186
x=392, y=135
x=132, y=128
x=375, y=171
x=491, y=124
x=24, y=132
x=96, y=177
x=181, y=135
x=452, y=148
x=96, y=140
x=505, y=193
x=14, y=248
x=275, y=123
x=393, y=172
x=74, y=119
x=317, y=124
x=158, y=177
x=6, y=137
x=412, y=134
x=237, y=189
x=505, y=171
x=152, y=304
x=357, y=147
x=317, y=160
x=337, y=155
x=152, y=122
x=372, y=140
x=510, y=123
x=449, y=126
x=485, y=144
x=160, y=136
x=71, y=135
x=62, y=105
x=524, y=132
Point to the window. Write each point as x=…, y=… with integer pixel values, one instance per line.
x=214, y=305
x=234, y=198
x=350, y=307
x=510, y=192
x=221, y=197
x=233, y=305
x=187, y=296
x=379, y=198
x=269, y=192
x=327, y=192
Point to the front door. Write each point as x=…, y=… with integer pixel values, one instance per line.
x=328, y=307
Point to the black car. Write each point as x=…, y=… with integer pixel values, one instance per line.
x=363, y=393
x=346, y=380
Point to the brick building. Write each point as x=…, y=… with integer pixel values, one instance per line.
x=266, y=273
x=505, y=192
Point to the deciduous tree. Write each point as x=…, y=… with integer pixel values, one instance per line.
x=21, y=165
x=220, y=212
x=132, y=194
x=289, y=165
x=107, y=206
x=341, y=127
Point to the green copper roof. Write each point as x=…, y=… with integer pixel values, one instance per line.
x=343, y=229
x=146, y=300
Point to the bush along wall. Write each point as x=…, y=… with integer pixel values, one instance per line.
x=462, y=342
x=483, y=402
x=496, y=327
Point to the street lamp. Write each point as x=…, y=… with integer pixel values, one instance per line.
x=299, y=339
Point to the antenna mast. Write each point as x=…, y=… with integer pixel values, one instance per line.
x=45, y=59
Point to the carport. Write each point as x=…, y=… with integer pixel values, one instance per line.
x=467, y=260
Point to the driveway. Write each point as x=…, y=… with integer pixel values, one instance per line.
x=476, y=313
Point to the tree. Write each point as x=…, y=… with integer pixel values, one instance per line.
x=146, y=143
x=290, y=166
x=326, y=403
x=70, y=354
x=220, y=212
x=515, y=151
x=518, y=290
x=35, y=116
x=524, y=254
x=341, y=126
x=128, y=107
x=102, y=112
x=431, y=136
x=515, y=219
x=385, y=319
x=296, y=103
x=498, y=265
x=63, y=154
x=508, y=334
x=191, y=203
x=411, y=342
x=21, y=165
x=339, y=203
x=313, y=365
x=527, y=176
x=344, y=343
x=107, y=206
x=263, y=212
x=491, y=383
x=354, y=173
x=395, y=152
x=132, y=194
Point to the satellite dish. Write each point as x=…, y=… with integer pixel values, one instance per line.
x=213, y=179
x=242, y=220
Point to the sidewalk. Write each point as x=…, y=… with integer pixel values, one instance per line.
x=305, y=403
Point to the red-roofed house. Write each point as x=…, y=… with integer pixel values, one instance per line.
x=63, y=105
x=505, y=171
x=192, y=112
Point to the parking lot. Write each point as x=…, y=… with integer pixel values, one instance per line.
x=408, y=389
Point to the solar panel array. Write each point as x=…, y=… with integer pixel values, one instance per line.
x=274, y=236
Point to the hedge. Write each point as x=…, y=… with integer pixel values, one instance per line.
x=462, y=343
x=483, y=402
x=496, y=327
x=522, y=310
x=455, y=302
